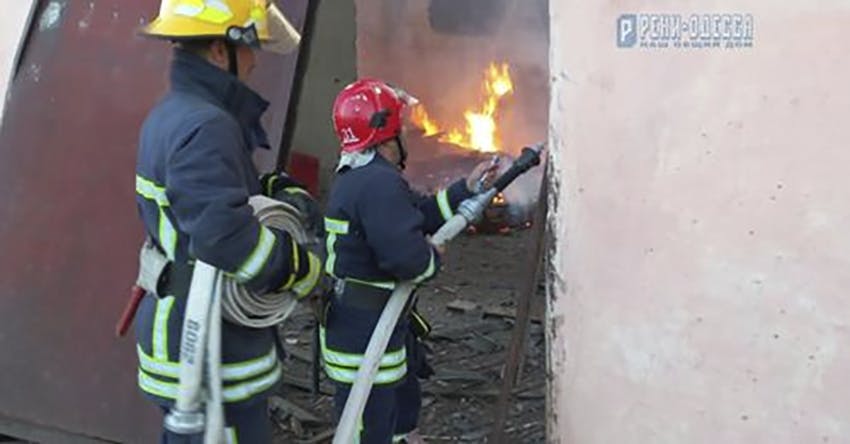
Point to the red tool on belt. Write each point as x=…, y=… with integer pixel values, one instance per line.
x=136, y=295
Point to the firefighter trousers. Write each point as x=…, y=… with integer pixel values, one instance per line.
x=391, y=411
x=394, y=403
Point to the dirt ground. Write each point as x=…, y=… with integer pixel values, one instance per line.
x=468, y=352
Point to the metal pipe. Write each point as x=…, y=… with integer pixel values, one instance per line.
x=301, y=64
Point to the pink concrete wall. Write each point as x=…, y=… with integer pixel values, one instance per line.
x=13, y=21
x=702, y=257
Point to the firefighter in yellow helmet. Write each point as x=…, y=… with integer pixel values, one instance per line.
x=249, y=22
x=194, y=176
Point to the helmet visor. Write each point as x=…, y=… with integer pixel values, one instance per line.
x=283, y=37
x=410, y=104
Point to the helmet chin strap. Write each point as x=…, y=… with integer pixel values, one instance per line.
x=402, y=153
x=239, y=36
x=232, y=61
x=379, y=120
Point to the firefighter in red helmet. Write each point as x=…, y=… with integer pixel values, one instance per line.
x=377, y=232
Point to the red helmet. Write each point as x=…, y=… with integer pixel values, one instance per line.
x=368, y=112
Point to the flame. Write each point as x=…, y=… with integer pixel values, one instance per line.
x=481, y=132
x=421, y=119
x=499, y=199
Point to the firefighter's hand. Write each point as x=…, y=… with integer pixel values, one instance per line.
x=274, y=183
x=440, y=249
x=280, y=186
x=485, y=172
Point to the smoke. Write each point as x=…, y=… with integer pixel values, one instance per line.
x=523, y=192
x=438, y=49
x=396, y=42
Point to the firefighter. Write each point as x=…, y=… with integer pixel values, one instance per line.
x=194, y=176
x=377, y=232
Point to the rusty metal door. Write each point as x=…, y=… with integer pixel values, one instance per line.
x=68, y=224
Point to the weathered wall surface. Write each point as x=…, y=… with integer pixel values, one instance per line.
x=13, y=23
x=69, y=227
x=702, y=256
x=331, y=66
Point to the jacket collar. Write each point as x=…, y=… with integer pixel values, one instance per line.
x=192, y=74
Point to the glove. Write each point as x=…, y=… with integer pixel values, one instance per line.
x=274, y=183
x=417, y=356
x=280, y=186
x=483, y=176
x=309, y=284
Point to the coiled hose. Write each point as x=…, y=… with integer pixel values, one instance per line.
x=244, y=307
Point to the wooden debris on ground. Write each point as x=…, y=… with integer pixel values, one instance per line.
x=282, y=406
x=462, y=306
x=507, y=313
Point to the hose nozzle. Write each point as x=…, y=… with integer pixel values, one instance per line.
x=473, y=208
x=529, y=158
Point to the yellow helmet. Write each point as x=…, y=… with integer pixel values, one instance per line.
x=249, y=22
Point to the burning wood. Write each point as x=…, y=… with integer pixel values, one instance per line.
x=503, y=216
x=499, y=200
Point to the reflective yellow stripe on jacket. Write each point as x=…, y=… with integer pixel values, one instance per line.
x=167, y=235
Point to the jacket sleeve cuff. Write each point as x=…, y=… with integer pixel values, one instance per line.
x=450, y=198
x=305, y=272
x=258, y=258
x=431, y=268
x=310, y=278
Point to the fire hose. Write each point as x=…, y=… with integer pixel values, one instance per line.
x=213, y=295
x=469, y=211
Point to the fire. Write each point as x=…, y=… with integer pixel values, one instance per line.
x=421, y=118
x=481, y=131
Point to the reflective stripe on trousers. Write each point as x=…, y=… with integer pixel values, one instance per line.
x=158, y=374
x=342, y=366
x=231, y=393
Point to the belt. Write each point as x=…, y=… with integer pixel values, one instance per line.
x=366, y=297
x=362, y=296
